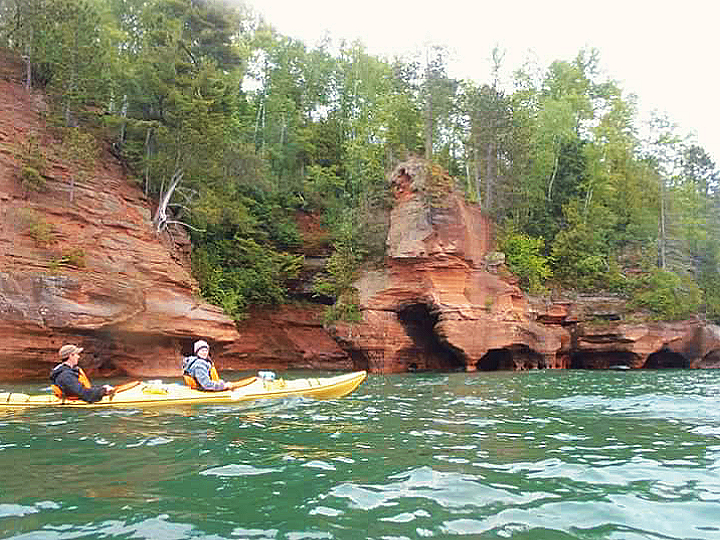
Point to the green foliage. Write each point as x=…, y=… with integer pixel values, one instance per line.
x=73, y=257
x=341, y=271
x=237, y=272
x=343, y=311
x=708, y=276
x=579, y=252
x=80, y=150
x=241, y=258
x=33, y=164
x=524, y=258
x=489, y=144
x=324, y=188
x=665, y=295
x=43, y=233
x=438, y=185
x=711, y=298
x=64, y=43
x=80, y=147
x=258, y=125
x=30, y=222
x=276, y=225
x=32, y=180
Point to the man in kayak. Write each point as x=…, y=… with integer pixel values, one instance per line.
x=70, y=381
x=200, y=373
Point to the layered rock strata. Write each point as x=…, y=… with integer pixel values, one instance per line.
x=442, y=301
x=81, y=263
x=438, y=302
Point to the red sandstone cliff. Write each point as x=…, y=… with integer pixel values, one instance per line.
x=440, y=302
x=81, y=263
x=437, y=303
x=89, y=269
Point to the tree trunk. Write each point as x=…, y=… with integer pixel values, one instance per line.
x=123, y=115
x=488, y=178
x=148, y=136
x=428, y=128
x=663, y=240
x=69, y=121
x=161, y=217
x=259, y=117
x=428, y=108
x=552, y=177
x=28, y=64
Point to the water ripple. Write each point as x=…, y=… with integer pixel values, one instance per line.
x=236, y=470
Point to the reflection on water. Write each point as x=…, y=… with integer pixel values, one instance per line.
x=535, y=455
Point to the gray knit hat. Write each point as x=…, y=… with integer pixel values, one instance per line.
x=199, y=345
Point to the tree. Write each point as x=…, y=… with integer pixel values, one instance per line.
x=437, y=93
x=698, y=167
x=697, y=197
x=489, y=152
x=403, y=115
x=662, y=149
x=180, y=98
x=80, y=150
x=77, y=69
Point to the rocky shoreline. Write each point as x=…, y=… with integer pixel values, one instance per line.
x=80, y=263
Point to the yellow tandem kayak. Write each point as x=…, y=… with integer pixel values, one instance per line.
x=159, y=393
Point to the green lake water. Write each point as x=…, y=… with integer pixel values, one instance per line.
x=546, y=455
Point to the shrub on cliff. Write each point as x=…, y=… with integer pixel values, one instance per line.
x=33, y=164
x=237, y=272
x=32, y=180
x=524, y=258
x=341, y=272
x=32, y=223
x=666, y=295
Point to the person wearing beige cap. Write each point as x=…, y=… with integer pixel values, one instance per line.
x=70, y=381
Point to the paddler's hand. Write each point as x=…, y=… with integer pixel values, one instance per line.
x=109, y=390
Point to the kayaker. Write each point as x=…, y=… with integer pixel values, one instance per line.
x=70, y=381
x=199, y=371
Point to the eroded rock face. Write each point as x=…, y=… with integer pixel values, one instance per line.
x=283, y=337
x=442, y=302
x=80, y=263
x=683, y=344
x=437, y=303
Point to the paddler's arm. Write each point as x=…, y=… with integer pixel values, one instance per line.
x=71, y=386
x=201, y=372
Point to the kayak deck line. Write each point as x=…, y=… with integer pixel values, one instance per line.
x=156, y=392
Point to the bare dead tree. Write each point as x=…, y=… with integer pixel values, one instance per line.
x=162, y=218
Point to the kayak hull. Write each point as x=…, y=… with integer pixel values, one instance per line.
x=157, y=393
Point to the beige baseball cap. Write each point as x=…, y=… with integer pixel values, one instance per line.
x=67, y=350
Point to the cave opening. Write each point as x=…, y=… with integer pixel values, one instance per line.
x=513, y=358
x=664, y=359
x=429, y=351
x=494, y=360
x=359, y=360
x=603, y=360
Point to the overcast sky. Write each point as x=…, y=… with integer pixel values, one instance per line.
x=664, y=52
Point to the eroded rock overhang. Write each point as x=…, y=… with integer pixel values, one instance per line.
x=439, y=303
